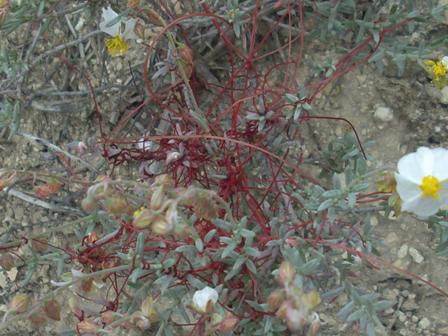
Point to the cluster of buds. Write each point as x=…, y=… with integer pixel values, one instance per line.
x=104, y=195
x=292, y=304
x=159, y=214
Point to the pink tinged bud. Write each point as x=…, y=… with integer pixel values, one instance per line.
x=276, y=298
x=315, y=325
x=204, y=300
x=286, y=273
x=229, y=323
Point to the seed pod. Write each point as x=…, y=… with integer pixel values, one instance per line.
x=229, y=323
x=7, y=262
x=19, y=303
x=40, y=245
x=52, y=309
x=38, y=319
x=276, y=298
x=107, y=317
x=88, y=204
x=87, y=326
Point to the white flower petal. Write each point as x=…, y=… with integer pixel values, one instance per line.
x=409, y=168
x=423, y=207
x=201, y=298
x=128, y=33
x=108, y=15
x=425, y=158
x=440, y=169
x=406, y=188
x=444, y=61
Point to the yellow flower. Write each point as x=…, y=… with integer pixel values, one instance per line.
x=438, y=70
x=120, y=32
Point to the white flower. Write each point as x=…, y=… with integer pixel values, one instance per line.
x=422, y=181
x=120, y=31
x=444, y=61
x=205, y=299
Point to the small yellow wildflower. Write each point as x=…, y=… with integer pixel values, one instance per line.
x=120, y=32
x=438, y=71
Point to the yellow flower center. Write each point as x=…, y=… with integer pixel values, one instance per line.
x=430, y=187
x=438, y=69
x=116, y=45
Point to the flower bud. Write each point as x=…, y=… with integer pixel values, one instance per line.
x=19, y=303
x=54, y=185
x=42, y=191
x=116, y=205
x=107, y=317
x=38, y=319
x=143, y=218
x=295, y=319
x=286, y=273
x=164, y=180
x=52, y=309
x=315, y=325
x=281, y=312
x=157, y=198
x=228, y=323
x=7, y=262
x=311, y=299
x=88, y=204
x=171, y=215
x=204, y=300
x=142, y=323
x=148, y=310
x=87, y=326
x=276, y=298
x=160, y=226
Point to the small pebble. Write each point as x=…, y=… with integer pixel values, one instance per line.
x=383, y=113
x=416, y=255
x=424, y=323
x=403, y=251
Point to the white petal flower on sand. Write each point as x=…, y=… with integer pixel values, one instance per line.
x=205, y=299
x=119, y=29
x=422, y=181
